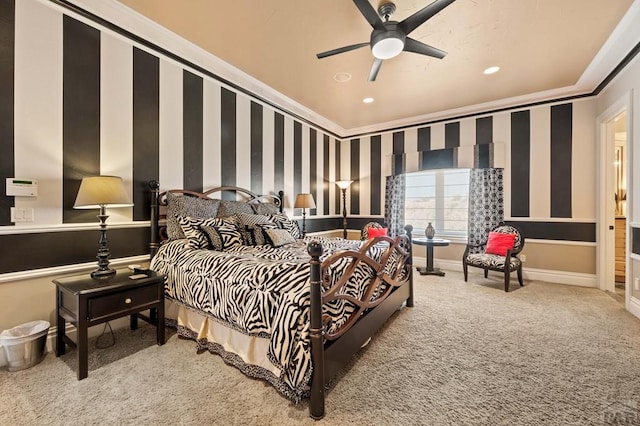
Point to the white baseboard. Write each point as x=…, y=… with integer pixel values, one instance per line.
x=558, y=277
x=634, y=306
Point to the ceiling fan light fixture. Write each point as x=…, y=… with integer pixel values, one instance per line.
x=388, y=43
x=387, y=48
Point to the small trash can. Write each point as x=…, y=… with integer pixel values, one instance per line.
x=24, y=345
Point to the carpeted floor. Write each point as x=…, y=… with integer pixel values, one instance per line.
x=466, y=354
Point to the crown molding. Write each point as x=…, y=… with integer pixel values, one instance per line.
x=620, y=43
x=122, y=16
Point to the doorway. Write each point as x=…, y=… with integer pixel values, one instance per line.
x=613, y=169
x=620, y=197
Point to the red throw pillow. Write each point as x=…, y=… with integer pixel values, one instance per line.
x=377, y=232
x=499, y=243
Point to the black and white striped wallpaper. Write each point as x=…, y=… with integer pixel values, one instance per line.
x=110, y=105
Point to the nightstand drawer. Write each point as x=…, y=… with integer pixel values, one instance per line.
x=122, y=301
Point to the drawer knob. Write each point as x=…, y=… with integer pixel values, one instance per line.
x=127, y=300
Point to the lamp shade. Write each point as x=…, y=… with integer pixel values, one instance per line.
x=98, y=191
x=344, y=184
x=304, y=201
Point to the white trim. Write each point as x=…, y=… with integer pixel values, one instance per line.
x=558, y=277
x=561, y=242
x=634, y=306
x=624, y=36
x=550, y=219
x=39, y=229
x=605, y=212
x=68, y=269
x=634, y=256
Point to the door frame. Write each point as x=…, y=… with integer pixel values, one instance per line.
x=605, y=214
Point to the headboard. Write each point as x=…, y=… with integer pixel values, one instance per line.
x=159, y=206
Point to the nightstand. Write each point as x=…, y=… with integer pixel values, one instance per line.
x=86, y=301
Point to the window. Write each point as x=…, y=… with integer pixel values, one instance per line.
x=440, y=197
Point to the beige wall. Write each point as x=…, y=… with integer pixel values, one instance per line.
x=570, y=258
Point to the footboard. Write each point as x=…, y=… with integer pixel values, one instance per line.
x=389, y=285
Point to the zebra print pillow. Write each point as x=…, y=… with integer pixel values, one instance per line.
x=184, y=205
x=260, y=237
x=222, y=237
x=279, y=237
x=246, y=224
x=283, y=222
x=191, y=229
x=251, y=220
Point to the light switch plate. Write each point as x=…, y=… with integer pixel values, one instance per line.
x=21, y=214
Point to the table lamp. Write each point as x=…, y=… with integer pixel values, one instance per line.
x=102, y=192
x=304, y=201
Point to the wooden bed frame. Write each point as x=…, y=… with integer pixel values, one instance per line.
x=329, y=351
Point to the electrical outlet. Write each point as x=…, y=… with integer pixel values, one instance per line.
x=636, y=283
x=523, y=258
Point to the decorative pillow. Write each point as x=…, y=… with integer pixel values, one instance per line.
x=251, y=220
x=223, y=236
x=259, y=233
x=246, y=233
x=283, y=222
x=279, y=237
x=377, y=232
x=499, y=243
x=192, y=230
x=229, y=208
x=185, y=205
x=265, y=208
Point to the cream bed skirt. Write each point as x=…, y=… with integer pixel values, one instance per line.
x=252, y=350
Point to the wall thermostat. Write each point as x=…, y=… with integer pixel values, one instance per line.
x=22, y=187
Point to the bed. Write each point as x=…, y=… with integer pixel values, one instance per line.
x=244, y=284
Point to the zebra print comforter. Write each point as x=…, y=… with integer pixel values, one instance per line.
x=261, y=291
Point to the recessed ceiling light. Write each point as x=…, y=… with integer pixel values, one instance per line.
x=368, y=100
x=342, y=77
x=491, y=70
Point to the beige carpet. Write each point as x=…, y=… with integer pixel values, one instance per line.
x=467, y=354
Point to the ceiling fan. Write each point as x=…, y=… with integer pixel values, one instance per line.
x=389, y=38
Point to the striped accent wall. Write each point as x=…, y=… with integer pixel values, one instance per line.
x=547, y=154
x=109, y=106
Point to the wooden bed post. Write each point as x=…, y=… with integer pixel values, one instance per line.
x=409, y=263
x=281, y=195
x=155, y=191
x=316, y=405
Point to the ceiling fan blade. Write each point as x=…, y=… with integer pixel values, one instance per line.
x=415, y=46
x=375, y=68
x=419, y=18
x=341, y=50
x=369, y=13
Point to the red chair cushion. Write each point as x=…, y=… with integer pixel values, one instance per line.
x=499, y=243
x=377, y=232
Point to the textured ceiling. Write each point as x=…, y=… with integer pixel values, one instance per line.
x=539, y=45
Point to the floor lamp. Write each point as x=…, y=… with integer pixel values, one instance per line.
x=102, y=192
x=343, y=185
x=304, y=201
